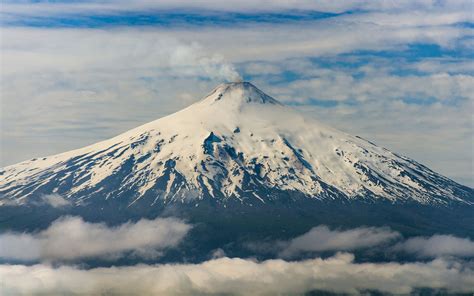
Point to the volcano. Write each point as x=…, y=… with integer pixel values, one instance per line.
x=235, y=145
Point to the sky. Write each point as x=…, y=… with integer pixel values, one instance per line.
x=398, y=73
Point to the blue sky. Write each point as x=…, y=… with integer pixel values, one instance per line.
x=399, y=73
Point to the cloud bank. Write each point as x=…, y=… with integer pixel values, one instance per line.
x=71, y=238
x=238, y=277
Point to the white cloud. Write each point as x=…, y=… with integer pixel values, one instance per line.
x=238, y=277
x=71, y=238
x=340, y=86
x=445, y=65
x=55, y=200
x=437, y=245
x=321, y=238
x=439, y=17
x=19, y=246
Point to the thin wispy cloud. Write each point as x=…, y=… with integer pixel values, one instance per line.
x=55, y=200
x=100, y=7
x=321, y=238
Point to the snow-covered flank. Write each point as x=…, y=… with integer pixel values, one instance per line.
x=235, y=144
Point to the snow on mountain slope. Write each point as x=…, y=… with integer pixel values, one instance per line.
x=236, y=143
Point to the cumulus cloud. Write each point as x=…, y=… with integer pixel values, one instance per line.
x=236, y=276
x=437, y=245
x=72, y=238
x=321, y=238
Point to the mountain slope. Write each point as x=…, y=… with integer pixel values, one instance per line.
x=235, y=144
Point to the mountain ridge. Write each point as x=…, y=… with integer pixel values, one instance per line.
x=237, y=143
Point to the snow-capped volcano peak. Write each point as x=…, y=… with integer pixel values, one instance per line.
x=238, y=93
x=235, y=144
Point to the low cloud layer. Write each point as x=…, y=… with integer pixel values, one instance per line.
x=72, y=238
x=437, y=245
x=238, y=276
x=322, y=238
